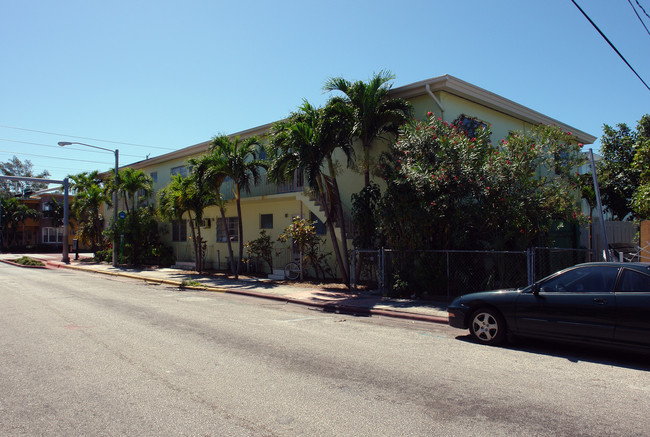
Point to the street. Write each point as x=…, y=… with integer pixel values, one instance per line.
x=85, y=354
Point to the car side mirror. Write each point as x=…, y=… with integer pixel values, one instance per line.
x=535, y=288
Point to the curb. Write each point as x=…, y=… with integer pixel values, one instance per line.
x=22, y=265
x=327, y=307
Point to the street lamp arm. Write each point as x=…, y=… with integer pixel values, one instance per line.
x=117, y=176
x=67, y=143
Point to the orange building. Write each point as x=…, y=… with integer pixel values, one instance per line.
x=43, y=230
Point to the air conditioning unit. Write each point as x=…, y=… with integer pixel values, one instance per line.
x=206, y=223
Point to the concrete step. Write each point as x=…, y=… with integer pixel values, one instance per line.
x=278, y=275
x=184, y=265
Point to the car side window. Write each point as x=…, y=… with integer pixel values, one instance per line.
x=592, y=279
x=635, y=282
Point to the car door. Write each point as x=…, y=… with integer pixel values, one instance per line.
x=578, y=303
x=633, y=302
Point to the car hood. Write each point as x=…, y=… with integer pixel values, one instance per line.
x=492, y=296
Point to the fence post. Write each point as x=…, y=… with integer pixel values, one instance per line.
x=530, y=264
x=353, y=270
x=382, y=271
x=448, y=276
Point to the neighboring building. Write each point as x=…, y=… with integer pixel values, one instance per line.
x=271, y=207
x=44, y=230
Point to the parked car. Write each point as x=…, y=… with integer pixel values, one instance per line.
x=595, y=303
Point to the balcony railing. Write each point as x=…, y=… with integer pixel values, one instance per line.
x=263, y=188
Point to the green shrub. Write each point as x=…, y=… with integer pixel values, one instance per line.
x=27, y=261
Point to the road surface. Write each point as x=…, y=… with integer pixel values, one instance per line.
x=85, y=354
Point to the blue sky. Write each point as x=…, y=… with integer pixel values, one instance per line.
x=155, y=76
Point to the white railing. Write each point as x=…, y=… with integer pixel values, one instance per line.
x=263, y=188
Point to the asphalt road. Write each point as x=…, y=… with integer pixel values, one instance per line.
x=83, y=354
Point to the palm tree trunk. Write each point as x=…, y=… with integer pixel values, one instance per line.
x=366, y=165
x=225, y=224
x=196, y=260
x=241, y=234
x=341, y=216
x=199, y=249
x=330, y=228
x=126, y=201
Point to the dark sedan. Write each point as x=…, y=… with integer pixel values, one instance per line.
x=597, y=303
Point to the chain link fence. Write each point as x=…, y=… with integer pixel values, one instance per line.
x=446, y=274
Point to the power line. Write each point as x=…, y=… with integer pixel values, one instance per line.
x=85, y=138
x=638, y=16
x=53, y=157
x=69, y=168
x=610, y=43
x=67, y=148
x=641, y=7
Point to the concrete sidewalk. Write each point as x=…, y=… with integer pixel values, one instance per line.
x=328, y=298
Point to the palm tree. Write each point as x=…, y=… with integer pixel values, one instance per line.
x=209, y=169
x=305, y=142
x=173, y=202
x=81, y=181
x=22, y=213
x=89, y=198
x=373, y=113
x=238, y=160
x=8, y=210
x=187, y=195
x=87, y=210
x=131, y=182
x=54, y=212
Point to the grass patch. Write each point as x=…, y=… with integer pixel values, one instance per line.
x=27, y=261
x=191, y=283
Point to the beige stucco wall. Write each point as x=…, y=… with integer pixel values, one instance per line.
x=285, y=206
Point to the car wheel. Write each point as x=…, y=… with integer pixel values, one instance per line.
x=487, y=327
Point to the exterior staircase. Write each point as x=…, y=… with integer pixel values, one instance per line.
x=315, y=206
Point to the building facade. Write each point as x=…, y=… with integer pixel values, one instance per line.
x=43, y=231
x=270, y=208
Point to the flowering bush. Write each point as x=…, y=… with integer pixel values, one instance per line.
x=446, y=189
x=302, y=233
x=261, y=249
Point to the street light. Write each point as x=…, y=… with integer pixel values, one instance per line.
x=117, y=153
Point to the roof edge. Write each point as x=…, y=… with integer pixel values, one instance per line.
x=466, y=90
x=446, y=83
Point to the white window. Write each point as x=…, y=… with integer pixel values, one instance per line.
x=179, y=230
x=266, y=221
x=231, y=223
x=181, y=170
x=52, y=235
